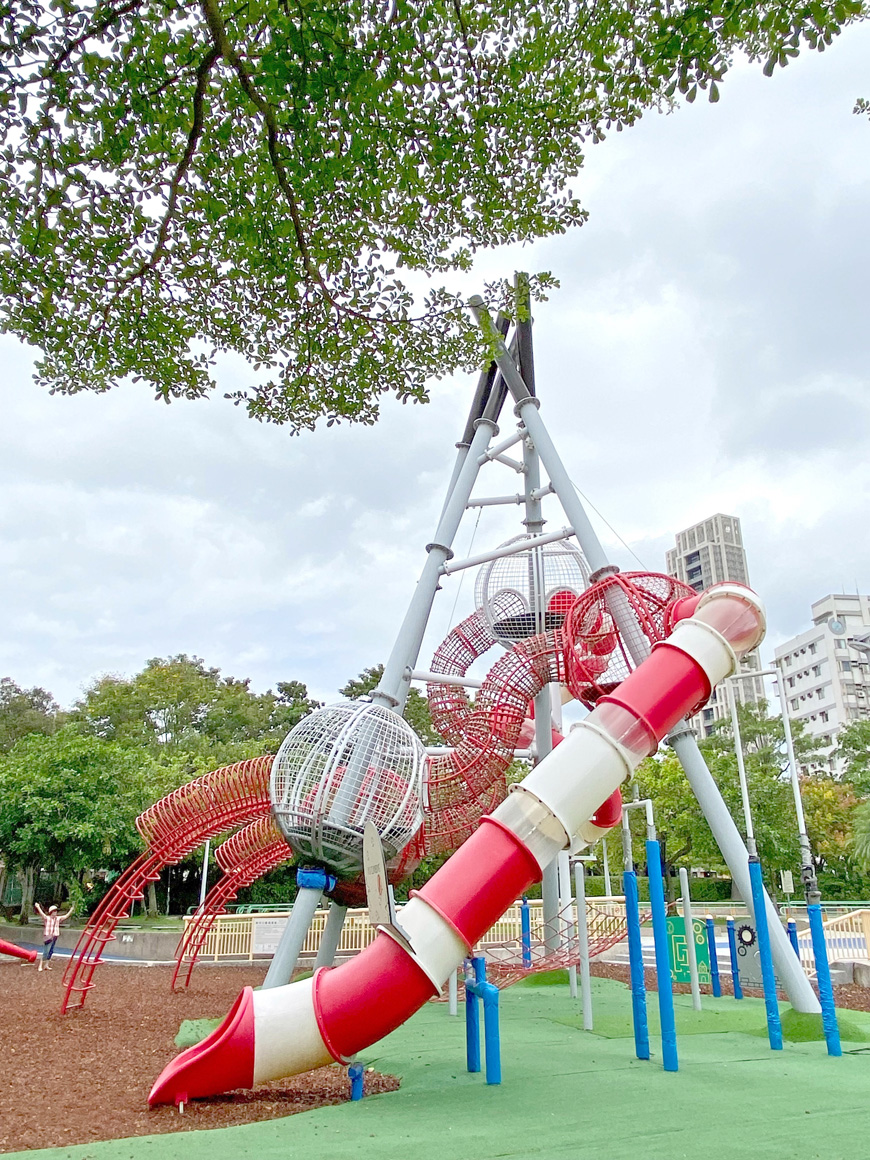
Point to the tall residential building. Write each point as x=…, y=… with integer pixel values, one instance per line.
x=827, y=671
x=705, y=554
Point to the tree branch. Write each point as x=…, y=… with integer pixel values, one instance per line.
x=56, y=64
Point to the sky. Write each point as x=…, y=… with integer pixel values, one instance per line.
x=707, y=351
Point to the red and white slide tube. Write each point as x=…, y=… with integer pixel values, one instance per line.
x=340, y=1011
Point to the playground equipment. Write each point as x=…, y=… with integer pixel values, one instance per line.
x=338, y=1012
x=16, y=952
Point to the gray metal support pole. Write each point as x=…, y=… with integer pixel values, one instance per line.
x=452, y=994
x=608, y=885
x=741, y=771
x=808, y=873
x=392, y=690
x=331, y=935
x=583, y=942
x=293, y=939
x=689, y=924
x=795, y=982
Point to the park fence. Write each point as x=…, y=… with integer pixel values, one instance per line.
x=254, y=936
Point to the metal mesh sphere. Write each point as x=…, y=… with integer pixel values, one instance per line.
x=530, y=592
x=343, y=766
x=598, y=657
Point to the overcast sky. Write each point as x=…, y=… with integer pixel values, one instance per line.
x=707, y=351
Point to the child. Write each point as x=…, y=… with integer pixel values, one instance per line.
x=51, y=929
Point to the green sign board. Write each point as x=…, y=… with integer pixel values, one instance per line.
x=679, y=952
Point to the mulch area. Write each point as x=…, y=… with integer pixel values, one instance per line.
x=72, y=1079
x=847, y=996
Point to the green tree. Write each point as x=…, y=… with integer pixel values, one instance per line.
x=416, y=711
x=68, y=804
x=178, y=180
x=189, y=716
x=853, y=748
x=24, y=711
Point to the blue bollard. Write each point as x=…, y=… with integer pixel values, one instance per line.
x=472, y=1022
x=670, y=1061
x=735, y=962
x=476, y=987
x=355, y=1075
x=823, y=978
x=526, y=932
x=792, y=937
x=771, y=1006
x=635, y=959
x=714, y=959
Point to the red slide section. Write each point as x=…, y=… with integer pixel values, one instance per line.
x=8, y=948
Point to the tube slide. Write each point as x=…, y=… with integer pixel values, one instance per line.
x=8, y=948
x=340, y=1011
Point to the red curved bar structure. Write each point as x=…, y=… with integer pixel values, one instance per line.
x=245, y=857
x=597, y=657
x=177, y=824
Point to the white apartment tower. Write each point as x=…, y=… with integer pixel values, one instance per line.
x=825, y=670
x=705, y=554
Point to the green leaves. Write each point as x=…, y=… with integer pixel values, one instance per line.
x=178, y=179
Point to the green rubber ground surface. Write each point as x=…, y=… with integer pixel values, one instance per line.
x=568, y=1094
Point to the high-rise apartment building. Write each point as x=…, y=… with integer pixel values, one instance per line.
x=705, y=554
x=827, y=671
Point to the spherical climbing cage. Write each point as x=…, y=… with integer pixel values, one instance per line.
x=343, y=766
x=598, y=656
x=530, y=592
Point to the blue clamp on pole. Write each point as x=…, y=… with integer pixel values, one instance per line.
x=670, y=1061
x=735, y=962
x=792, y=937
x=635, y=961
x=526, y=932
x=823, y=978
x=313, y=878
x=759, y=908
x=714, y=960
x=355, y=1075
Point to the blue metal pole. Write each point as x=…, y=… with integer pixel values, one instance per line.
x=792, y=936
x=823, y=978
x=355, y=1075
x=635, y=960
x=663, y=961
x=492, y=1046
x=714, y=959
x=771, y=1006
x=472, y=1024
x=526, y=928
x=735, y=962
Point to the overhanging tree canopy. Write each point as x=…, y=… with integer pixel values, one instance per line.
x=179, y=180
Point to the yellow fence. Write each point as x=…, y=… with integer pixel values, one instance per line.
x=245, y=936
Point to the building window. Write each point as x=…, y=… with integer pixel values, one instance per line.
x=791, y=682
x=823, y=716
x=788, y=661
x=817, y=670
x=839, y=643
x=812, y=648
x=794, y=703
x=845, y=666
